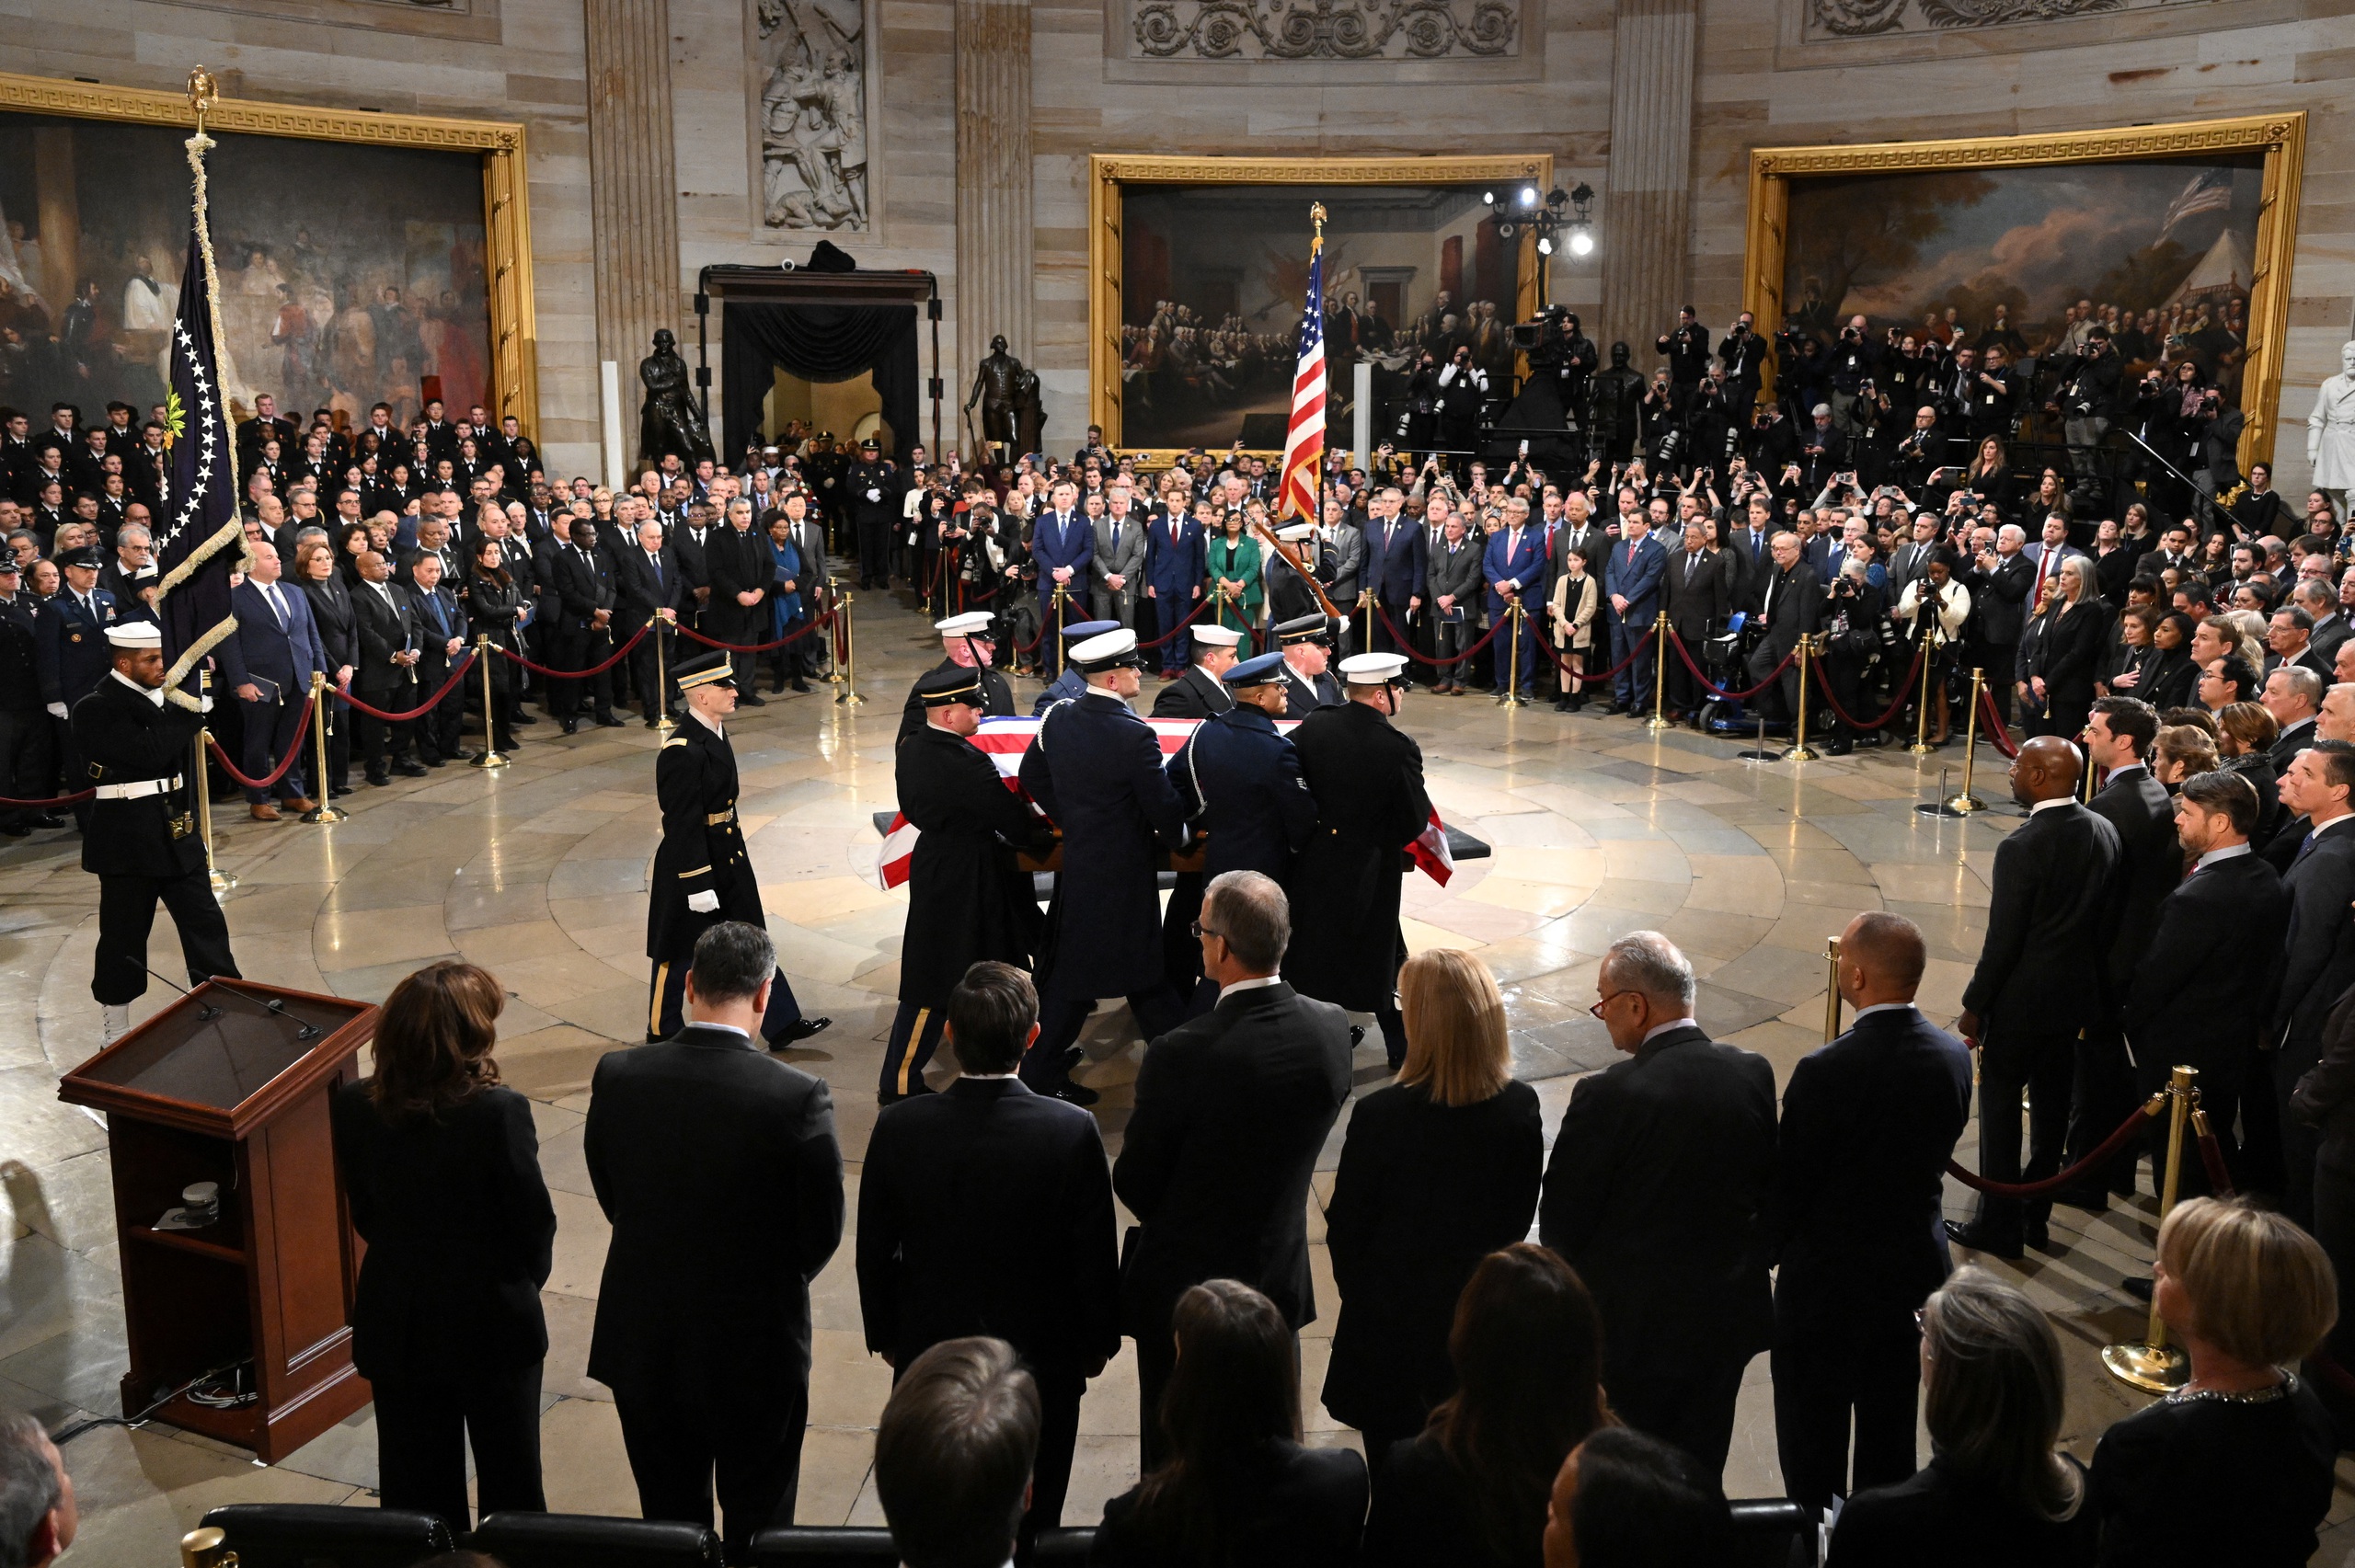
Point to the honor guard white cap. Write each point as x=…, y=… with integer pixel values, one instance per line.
x=1218, y=636
x=970, y=624
x=136, y=634
x=1372, y=669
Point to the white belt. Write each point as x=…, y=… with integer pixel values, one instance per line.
x=138, y=790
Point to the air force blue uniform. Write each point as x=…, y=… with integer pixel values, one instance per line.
x=1240, y=783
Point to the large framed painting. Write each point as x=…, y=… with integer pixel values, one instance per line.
x=2177, y=237
x=1199, y=271
x=362, y=257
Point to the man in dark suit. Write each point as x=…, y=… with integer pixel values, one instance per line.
x=1787, y=599
x=1999, y=581
x=987, y=1210
x=1632, y=576
x=269, y=664
x=2119, y=737
x=2037, y=984
x=27, y=752
x=1869, y=1124
x=1699, y=597
x=1513, y=566
x=742, y=567
x=718, y=1166
x=2292, y=694
x=442, y=641
x=580, y=622
x=384, y=675
x=2318, y=964
x=1396, y=555
x=690, y=545
x=1659, y=1174
x=2205, y=977
x=1175, y=561
x=1062, y=542
x=70, y=650
x=1231, y=1110
x=648, y=585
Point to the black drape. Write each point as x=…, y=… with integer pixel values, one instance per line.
x=820, y=343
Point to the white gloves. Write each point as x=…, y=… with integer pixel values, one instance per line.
x=57, y=710
x=703, y=903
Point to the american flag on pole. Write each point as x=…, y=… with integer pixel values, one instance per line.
x=1004, y=740
x=2210, y=191
x=1305, y=437
x=199, y=541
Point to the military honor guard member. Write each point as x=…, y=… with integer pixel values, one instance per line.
x=1307, y=643
x=1200, y=692
x=1095, y=769
x=141, y=844
x=703, y=875
x=969, y=899
x=1240, y=783
x=1367, y=778
x=1070, y=682
x=963, y=639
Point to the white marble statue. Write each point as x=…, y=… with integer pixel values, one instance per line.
x=2330, y=432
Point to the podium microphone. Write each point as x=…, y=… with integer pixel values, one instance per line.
x=205, y=1014
x=277, y=1005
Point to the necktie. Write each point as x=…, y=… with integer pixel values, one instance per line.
x=277, y=608
x=654, y=563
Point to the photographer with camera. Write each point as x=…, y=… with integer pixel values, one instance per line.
x=1854, y=358
x=1852, y=627
x=1461, y=385
x=2087, y=403
x=1995, y=396
x=1687, y=347
x=1742, y=356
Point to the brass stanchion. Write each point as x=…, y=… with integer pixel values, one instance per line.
x=325, y=810
x=1365, y=601
x=489, y=756
x=207, y=1547
x=1830, y=991
x=1511, y=685
x=834, y=635
x=1922, y=746
x=848, y=695
x=2155, y=1365
x=1799, y=750
x=1659, y=721
x=222, y=880
x=663, y=722
x=1966, y=803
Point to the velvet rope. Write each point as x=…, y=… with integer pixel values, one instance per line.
x=1398, y=639
x=54, y=800
x=1193, y=616
x=619, y=654
x=1994, y=722
x=1742, y=696
x=1904, y=693
x=294, y=755
x=457, y=673
x=1590, y=676
x=2092, y=1161
x=750, y=647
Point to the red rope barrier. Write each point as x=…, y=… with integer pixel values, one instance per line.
x=619, y=654
x=1189, y=620
x=2125, y=1134
x=2212, y=1159
x=1905, y=691
x=457, y=673
x=1994, y=722
x=44, y=805
x=1772, y=676
x=745, y=648
x=285, y=764
x=1593, y=676
x=1398, y=639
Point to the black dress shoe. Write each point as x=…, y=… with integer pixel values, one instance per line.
x=569, y=726
x=751, y=700
x=380, y=781
x=2041, y=1238
x=2091, y=1198
x=801, y=1031
x=1077, y=1093
x=608, y=721
x=800, y=685
x=2140, y=1287
x=436, y=762
x=1973, y=1238
x=49, y=819
x=18, y=830
x=410, y=771
x=337, y=792
x=526, y=718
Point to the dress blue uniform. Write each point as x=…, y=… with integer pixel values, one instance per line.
x=1071, y=683
x=1094, y=770
x=71, y=654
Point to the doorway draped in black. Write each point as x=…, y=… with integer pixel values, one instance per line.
x=820, y=343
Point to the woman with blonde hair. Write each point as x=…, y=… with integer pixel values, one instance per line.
x=2234, y=1465
x=1437, y=1170
x=441, y=1168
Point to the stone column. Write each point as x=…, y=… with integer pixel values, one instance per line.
x=994, y=234
x=633, y=185
x=1645, y=226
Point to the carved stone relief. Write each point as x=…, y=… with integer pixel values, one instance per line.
x=1324, y=29
x=812, y=60
x=1881, y=18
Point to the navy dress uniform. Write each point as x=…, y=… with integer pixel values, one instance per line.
x=1304, y=694
x=1071, y=683
x=1197, y=693
x=72, y=655
x=1367, y=777
x=133, y=749
x=1094, y=770
x=969, y=899
x=1240, y=783
x=994, y=686
x=703, y=853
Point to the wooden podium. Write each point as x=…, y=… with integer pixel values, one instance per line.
x=231, y=1085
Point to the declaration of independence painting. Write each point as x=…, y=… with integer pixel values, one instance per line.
x=348, y=274
x=2161, y=251
x=1214, y=277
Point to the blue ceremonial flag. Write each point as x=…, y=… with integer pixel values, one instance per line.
x=199, y=541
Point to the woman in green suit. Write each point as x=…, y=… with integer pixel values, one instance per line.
x=1234, y=575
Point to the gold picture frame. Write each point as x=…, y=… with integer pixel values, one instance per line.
x=1108, y=173
x=2281, y=137
x=505, y=203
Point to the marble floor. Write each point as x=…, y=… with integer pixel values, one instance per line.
x=539, y=873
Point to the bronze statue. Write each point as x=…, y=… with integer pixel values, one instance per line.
x=1029, y=412
x=995, y=388
x=669, y=421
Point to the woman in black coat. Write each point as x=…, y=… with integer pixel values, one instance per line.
x=1239, y=1489
x=330, y=603
x=1471, y=1490
x=2245, y=732
x=2068, y=650
x=2170, y=678
x=495, y=605
x=1436, y=1171
x=441, y=1167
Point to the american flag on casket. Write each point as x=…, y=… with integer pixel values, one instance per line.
x=1005, y=739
